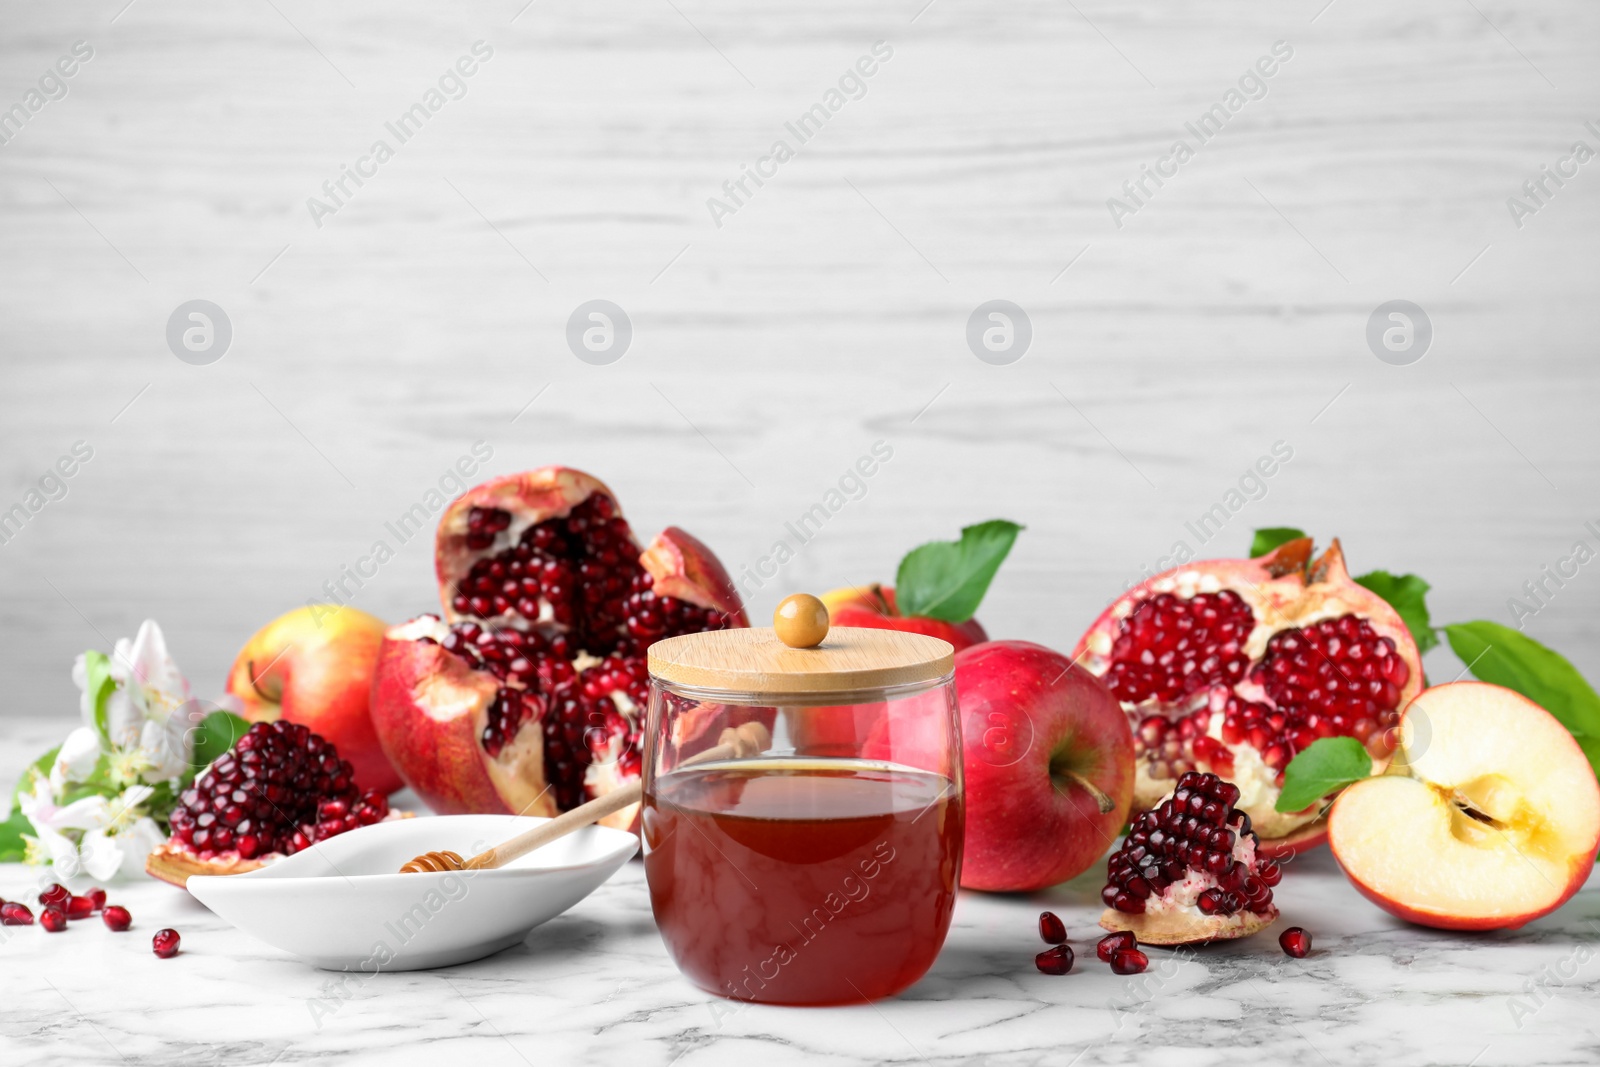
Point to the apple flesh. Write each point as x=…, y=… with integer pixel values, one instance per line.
x=1489, y=817
x=314, y=666
x=1049, y=766
x=874, y=606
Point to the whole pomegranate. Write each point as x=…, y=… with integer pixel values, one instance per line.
x=1233, y=666
x=528, y=695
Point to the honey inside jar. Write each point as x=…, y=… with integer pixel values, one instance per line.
x=796, y=881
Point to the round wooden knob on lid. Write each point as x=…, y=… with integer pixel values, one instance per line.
x=812, y=664
x=801, y=621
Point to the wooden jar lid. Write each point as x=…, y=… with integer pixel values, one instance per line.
x=850, y=659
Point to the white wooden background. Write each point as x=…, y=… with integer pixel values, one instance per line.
x=828, y=313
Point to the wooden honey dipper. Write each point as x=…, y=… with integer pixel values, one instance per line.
x=742, y=742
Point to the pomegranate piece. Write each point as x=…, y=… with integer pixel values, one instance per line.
x=1057, y=960
x=1190, y=870
x=1129, y=961
x=165, y=943
x=79, y=907
x=527, y=694
x=280, y=788
x=97, y=897
x=1234, y=666
x=1051, y=929
x=54, y=895
x=116, y=917
x=1111, y=944
x=14, y=914
x=53, y=919
x=1295, y=942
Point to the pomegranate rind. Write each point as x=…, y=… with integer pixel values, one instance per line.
x=1303, y=839
x=175, y=865
x=430, y=709
x=1175, y=928
x=171, y=863
x=1283, y=590
x=681, y=566
x=533, y=496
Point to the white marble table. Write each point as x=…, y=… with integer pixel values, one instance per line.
x=595, y=986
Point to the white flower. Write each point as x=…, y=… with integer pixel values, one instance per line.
x=115, y=837
x=76, y=760
x=89, y=813
x=149, y=711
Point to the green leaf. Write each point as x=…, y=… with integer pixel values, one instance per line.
x=1501, y=655
x=1272, y=537
x=947, y=579
x=1405, y=593
x=217, y=734
x=98, y=667
x=1324, y=766
x=12, y=847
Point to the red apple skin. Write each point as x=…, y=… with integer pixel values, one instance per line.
x=1027, y=828
x=853, y=606
x=314, y=666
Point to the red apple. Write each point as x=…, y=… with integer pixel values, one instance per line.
x=1493, y=821
x=314, y=666
x=1048, y=760
x=874, y=606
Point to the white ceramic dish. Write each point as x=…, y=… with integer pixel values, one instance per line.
x=340, y=904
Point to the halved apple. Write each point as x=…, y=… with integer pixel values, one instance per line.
x=1488, y=818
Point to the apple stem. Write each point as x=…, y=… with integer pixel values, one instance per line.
x=1107, y=805
x=250, y=669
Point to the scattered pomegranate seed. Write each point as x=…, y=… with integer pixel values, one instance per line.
x=79, y=907
x=1056, y=960
x=165, y=943
x=97, y=897
x=14, y=914
x=1295, y=942
x=1051, y=928
x=53, y=919
x=1129, y=961
x=117, y=917
x=54, y=895
x=1111, y=944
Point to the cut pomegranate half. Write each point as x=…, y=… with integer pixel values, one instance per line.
x=1190, y=870
x=528, y=695
x=278, y=790
x=1233, y=666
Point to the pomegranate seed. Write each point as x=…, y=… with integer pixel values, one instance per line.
x=116, y=917
x=165, y=943
x=1051, y=928
x=79, y=907
x=53, y=919
x=1129, y=961
x=1194, y=831
x=1295, y=942
x=54, y=895
x=1056, y=960
x=14, y=914
x=97, y=897
x=1335, y=677
x=255, y=799
x=1111, y=944
x=581, y=573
